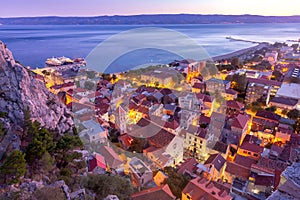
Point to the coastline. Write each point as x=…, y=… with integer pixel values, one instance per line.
x=239, y=52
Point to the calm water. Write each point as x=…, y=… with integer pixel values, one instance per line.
x=33, y=44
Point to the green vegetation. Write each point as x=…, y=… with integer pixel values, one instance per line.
x=91, y=74
x=294, y=114
x=2, y=130
x=104, y=185
x=176, y=181
x=3, y=114
x=13, y=168
x=271, y=109
x=277, y=75
x=136, y=73
x=138, y=144
x=89, y=85
x=238, y=82
x=50, y=193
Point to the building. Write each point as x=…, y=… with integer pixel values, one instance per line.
x=189, y=102
x=265, y=120
x=274, y=85
x=213, y=85
x=250, y=147
x=97, y=163
x=195, y=142
x=94, y=131
x=257, y=92
x=200, y=188
x=215, y=165
x=158, y=193
x=161, y=76
x=271, y=57
x=289, y=90
x=284, y=103
x=140, y=172
x=112, y=159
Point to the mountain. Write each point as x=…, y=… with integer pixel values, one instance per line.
x=150, y=19
x=21, y=91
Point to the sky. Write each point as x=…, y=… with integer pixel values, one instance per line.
x=23, y=8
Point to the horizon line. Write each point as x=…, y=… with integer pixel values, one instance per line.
x=132, y=15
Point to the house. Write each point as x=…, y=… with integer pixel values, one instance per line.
x=214, y=85
x=261, y=182
x=188, y=117
x=262, y=82
x=232, y=108
x=265, y=120
x=205, y=102
x=239, y=168
x=215, y=164
x=271, y=57
x=97, y=164
x=289, y=90
x=112, y=159
x=284, y=103
x=140, y=172
x=159, y=178
x=159, y=157
x=239, y=125
x=257, y=92
x=94, y=131
x=169, y=109
x=188, y=102
x=161, y=192
x=162, y=76
x=251, y=147
x=187, y=166
x=230, y=94
x=200, y=188
x=195, y=141
x=199, y=87
x=125, y=140
x=283, y=134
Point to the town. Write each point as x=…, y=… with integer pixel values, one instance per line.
x=221, y=128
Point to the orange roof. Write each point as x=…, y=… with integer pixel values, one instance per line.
x=200, y=187
x=240, y=121
x=157, y=193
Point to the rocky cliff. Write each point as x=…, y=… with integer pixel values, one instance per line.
x=20, y=90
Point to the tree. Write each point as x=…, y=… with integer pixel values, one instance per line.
x=235, y=62
x=91, y=74
x=293, y=114
x=89, y=85
x=271, y=109
x=238, y=82
x=2, y=130
x=104, y=185
x=138, y=145
x=46, y=163
x=176, y=182
x=276, y=75
x=13, y=168
x=68, y=142
x=42, y=141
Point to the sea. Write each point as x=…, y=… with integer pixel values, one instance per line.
x=33, y=44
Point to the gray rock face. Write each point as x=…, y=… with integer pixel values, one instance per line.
x=20, y=90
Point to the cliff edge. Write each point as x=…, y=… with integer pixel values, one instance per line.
x=20, y=90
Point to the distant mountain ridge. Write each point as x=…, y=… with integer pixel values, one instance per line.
x=150, y=19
